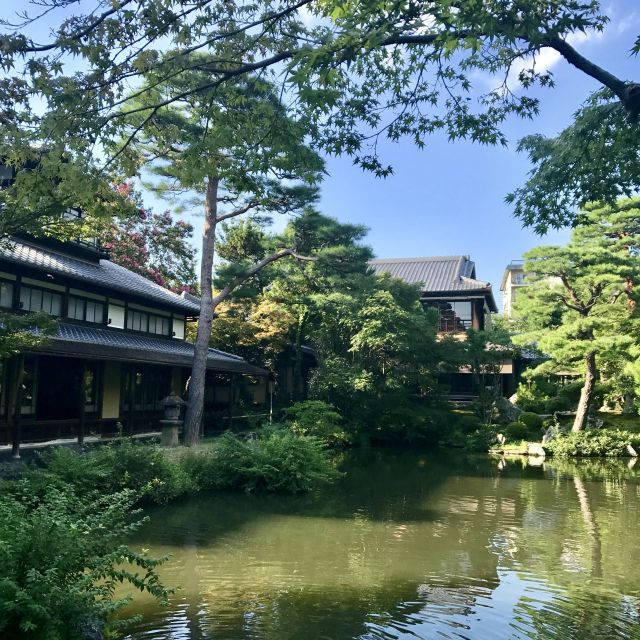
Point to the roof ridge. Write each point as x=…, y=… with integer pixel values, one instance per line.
x=419, y=259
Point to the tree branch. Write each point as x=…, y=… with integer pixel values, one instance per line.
x=79, y=34
x=257, y=267
x=252, y=204
x=622, y=89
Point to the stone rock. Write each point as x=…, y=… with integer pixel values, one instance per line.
x=631, y=451
x=536, y=449
x=507, y=409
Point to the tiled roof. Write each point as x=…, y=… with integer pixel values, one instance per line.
x=116, y=344
x=437, y=273
x=103, y=273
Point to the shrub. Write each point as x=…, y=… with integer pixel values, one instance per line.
x=468, y=424
x=480, y=440
x=280, y=461
x=532, y=420
x=533, y=396
x=534, y=424
x=559, y=403
x=61, y=559
x=515, y=431
x=591, y=443
x=144, y=468
x=317, y=419
x=277, y=461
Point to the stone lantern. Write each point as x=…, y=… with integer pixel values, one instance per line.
x=171, y=424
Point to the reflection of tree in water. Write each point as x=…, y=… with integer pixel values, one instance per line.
x=405, y=544
x=585, y=602
x=580, y=613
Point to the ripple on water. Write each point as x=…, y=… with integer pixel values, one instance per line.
x=405, y=548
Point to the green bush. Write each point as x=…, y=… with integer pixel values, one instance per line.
x=144, y=468
x=515, y=431
x=317, y=419
x=532, y=420
x=480, y=440
x=468, y=424
x=559, y=403
x=592, y=443
x=534, y=395
x=279, y=461
x=61, y=558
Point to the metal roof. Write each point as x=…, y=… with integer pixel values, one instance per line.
x=116, y=344
x=436, y=274
x=102, y=273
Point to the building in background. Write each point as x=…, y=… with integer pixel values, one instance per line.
x=512, y=280
x=449, y=285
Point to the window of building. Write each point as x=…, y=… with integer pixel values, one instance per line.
x=149, y=322
x=86, y=310
x=518, y=278
x=32, y=299
x=90, y=383
x=6, y=294
x=137, y=320
x=453, y=315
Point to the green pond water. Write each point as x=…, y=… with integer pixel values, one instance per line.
x=407, y=545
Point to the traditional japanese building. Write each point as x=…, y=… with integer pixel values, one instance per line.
x=448, y=284
x=119, y=349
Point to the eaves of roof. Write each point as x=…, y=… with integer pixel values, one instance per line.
x=103, y=274
x=80, y=341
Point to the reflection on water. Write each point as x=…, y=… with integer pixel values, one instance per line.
x=407, y=546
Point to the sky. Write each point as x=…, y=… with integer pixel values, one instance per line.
x=448, y=198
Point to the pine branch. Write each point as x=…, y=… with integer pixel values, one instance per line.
x=253, y=270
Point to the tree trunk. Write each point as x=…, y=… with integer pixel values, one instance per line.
x=586, y=394
x=296, y=392
x=195, y=406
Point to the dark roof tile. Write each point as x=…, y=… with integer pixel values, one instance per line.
x=104, y=273
x=115, y=344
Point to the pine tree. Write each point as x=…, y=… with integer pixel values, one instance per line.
x=580, y=306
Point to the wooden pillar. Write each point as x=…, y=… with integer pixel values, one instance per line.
x=14, y=410
x=232, y=379
x=132, y=395
x=81, y=403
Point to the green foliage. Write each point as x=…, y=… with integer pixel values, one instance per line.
x=61, y=559
x=480, y=440
x=468, y=424
x=533, y=422
x=516, y=431
x=557, y=403
x=531, y=397
x=276, y=461
x=317, y=419
x=361, y=70
x=142, y=468
x=28, y=331
x=571, y=170
x=579, y=306
x=592, y=443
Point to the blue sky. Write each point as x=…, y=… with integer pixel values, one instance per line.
x=449, y=197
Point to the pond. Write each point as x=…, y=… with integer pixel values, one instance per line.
x=407, y=545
